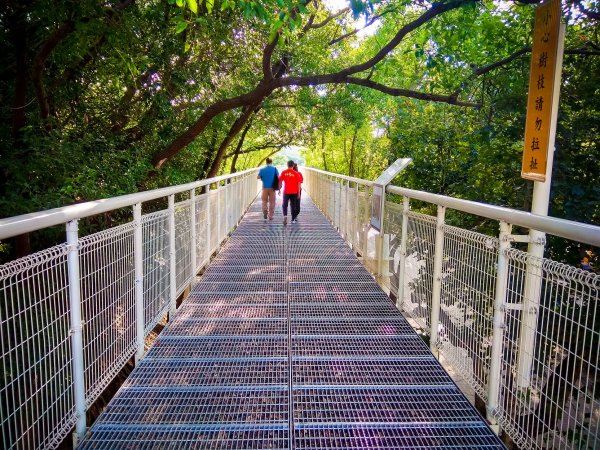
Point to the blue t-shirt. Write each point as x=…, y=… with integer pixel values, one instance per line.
x=267, y=174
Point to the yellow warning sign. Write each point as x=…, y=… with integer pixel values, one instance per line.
x=541, y=87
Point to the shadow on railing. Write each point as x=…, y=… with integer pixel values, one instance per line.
x=523, y=331
x=74, y=314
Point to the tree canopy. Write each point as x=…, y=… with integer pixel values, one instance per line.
x=107, y=98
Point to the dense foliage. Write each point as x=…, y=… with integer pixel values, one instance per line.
x=101, y=99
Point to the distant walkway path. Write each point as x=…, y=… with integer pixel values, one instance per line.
x=287, y=342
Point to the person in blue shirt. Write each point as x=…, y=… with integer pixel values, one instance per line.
x=268, y=175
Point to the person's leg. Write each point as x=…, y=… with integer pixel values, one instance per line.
x=272, y=196
x=286, y=199
x=294, y=206
x=264, y=197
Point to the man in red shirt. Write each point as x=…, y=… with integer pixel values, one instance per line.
x=291, y=182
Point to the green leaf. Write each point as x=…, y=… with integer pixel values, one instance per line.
x=187, y=46
x=181, y=26
x=193, y=5
x=209, y=5
x=180, y=3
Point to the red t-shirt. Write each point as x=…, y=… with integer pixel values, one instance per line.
x=290, y=179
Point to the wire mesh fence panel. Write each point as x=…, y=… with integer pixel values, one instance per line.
x=155, y=232
x=549, y=396
x=202, y=228
x=36, y=396
x=467, y=303
x=183, y=245
x=108, y=305
x=418, y=281
x=221, y=213
x=391, y=246
x=213, y=202
x=362, y=225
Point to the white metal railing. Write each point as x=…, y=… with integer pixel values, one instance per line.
x=71, y=316
x=523, y=331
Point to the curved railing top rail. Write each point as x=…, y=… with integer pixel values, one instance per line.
x=343, y=177
x=568, y=229
x=14, y=226
x=576, y=231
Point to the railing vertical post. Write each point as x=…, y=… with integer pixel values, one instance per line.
x=403, y=244
x=340, y=206
x=437, y=278
x=193, y=236
x=219, y=213
x=498, y=323
x=531, y=304
x=356, y=218
x=138, y=257
x=76, y=329
x=345, y=209
x=208, y=249
x=172, y=256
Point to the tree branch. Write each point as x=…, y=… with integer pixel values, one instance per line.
x=39, y=61
x=436, y=10
x=371, y=21
x=396, y=92
x=266, y=59
x=314, y=26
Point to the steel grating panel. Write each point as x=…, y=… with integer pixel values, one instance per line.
x=298, y=310
x=258, y=250
x=379, y=347
x=241, y=298
x=198, y=406
x=241, y=286
x=340, y=327
x=186, y=437
x=227, y=311
x=244, y=277
x=323, y=261
x=390, y=405
x=224, y=372
x=341, y=278
x=242, y=270
x=372, y=297
x=346, y=286
x=426, y=372
x=288, y=313
x=257, y=261
x=228, y=327
x=219, y=347
x=422, y=436
x=321, y=252
x=358, y=269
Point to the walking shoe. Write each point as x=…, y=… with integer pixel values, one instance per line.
x=294, y=221
x=285, y=220
x=265, y=215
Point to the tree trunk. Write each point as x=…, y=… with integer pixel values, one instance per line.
x=352, y=148
x=20, y=98
x=233, y=131
x=323, y=151
x=239, y=146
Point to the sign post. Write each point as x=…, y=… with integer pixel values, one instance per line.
x=538, y=156
x=376, y=231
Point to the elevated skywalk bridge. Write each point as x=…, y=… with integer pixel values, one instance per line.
x=287, y=342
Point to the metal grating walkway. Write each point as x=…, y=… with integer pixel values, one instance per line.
x=287, y=342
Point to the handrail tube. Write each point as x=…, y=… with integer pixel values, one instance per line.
x=584, y=233
x=341, y=177
x=25, y=223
